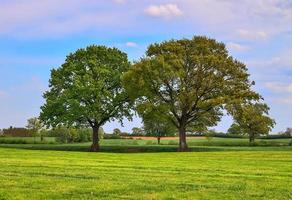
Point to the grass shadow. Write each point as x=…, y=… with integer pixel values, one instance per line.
x=109, y=148
x=84, y=147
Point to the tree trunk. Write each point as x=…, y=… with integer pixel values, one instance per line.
x=182, y=139
x=158, y=140
x=95, y=139
x=251, y=138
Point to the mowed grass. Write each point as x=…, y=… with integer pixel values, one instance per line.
x=256, y=174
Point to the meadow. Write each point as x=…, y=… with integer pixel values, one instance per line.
x=146, y=171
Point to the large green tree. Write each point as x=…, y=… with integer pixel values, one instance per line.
x=86, y=90
x=253, y=119
x=187, y=80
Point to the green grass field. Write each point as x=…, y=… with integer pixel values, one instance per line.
x=209, y=172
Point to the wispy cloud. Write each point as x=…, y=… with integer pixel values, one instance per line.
x=284, y=100
x=252, y=34
x=120, y=1
x=279, y=87
x=278, y=61
x=55, y=17
x=237, y=47
x=164, y=10
x=131, y=44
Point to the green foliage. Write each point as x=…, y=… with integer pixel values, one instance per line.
x=188, y=81
x=100, y=133
x=288, y=132
x=111, y=136
x=253, y=119
x=34, y=125
x=86, y=90
x=157, y=125
x=26, y=140
x=137, y=132
x=210, y=134
x=71, y=135
x=235, y=129
x=117, y=131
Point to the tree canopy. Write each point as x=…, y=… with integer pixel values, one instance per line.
x=156, y=125
x=253, y=119
x=189, y=81
x=86, y=90
x=235, y=129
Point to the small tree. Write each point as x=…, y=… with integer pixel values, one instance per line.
x=137, y=131
x=235, y=129
x=156, y=125
x=117, y=131
x=253, y=119
x=34, y=125
x=288, y=132
x=210, y=134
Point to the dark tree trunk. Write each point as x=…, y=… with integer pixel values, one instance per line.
x=158, y=140
x=251, y=138
x=42, y=138
x=182, y=139
x=95, y=139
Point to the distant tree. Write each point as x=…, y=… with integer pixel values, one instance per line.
x=288, y=132
x=253, y=119
x=34, y=125
x=100, y=133
x=156, y=125
x=117, y=131
x=210, y=134
x=137, y=131
x=187, y=80
x=235, y=129
x=86, y=90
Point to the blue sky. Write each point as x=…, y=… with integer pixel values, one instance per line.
x=35, y=36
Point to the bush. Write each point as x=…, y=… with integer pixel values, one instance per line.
x=83, y=135
x=149, y=142
x=71, y=135
x=12, y=141
x=274, y=137
x=172, y=142
x=112, y=136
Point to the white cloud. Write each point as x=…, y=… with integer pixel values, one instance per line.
x=252, y=34
x=49, y=18
x=131, y=44
x=244, y=19
x=284, y=100
x=280, y=61
x=237, y=47
x=120, y=1
x=279, y=87
x=164, y=10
